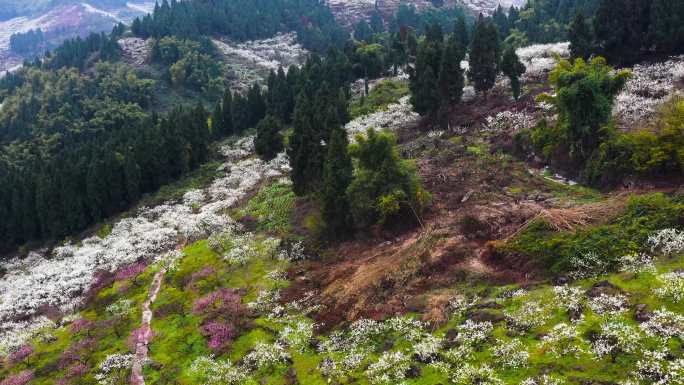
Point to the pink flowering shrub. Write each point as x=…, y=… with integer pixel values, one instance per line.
x=224, y=316
x=20, y=354
x=77, y=370
x=220, y=334
x=130, y=271
x=76, y=352
x=81, y=325
x=22, y=378
x=220, y=302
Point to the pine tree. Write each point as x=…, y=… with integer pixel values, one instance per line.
x=256, y=105
x=376, y=23
x=620, y=28
x=425, y=96
x=461, y=31
x=667, y=26
x=451, y=75
x=513, y=17
x=217, y=120
x=484, y=56
x=337, y=177
x=268, y=142
x=501, y=21
x=227, y=127
x=513, y=68
x=240, y=112
x=580, y=37
x=363, y=31
x=305, y=149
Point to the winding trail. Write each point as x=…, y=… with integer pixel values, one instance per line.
x=145, y=334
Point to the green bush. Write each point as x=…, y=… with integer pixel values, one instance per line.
x=658, y=151
x=626, y=234
x=384, y=186
x=584, y=96
x=382, y=95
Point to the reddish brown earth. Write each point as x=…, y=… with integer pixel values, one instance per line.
x=408, y=270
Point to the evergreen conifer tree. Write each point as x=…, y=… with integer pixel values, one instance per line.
x=305, y=149
x=268, y=142
x=513, y=68
x=337, y=176
x=363, y=31
x=376, y=23
x=484, y=56
x=227, y=127
x=451, y=75
x=580, y=37
x=461, y=31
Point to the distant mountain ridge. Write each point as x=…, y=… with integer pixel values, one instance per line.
x=61, y=19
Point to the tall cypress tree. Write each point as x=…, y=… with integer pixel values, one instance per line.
x=376, y=23
x=513, y=68
x=217, y=120
x=305, y=149
x=363, y=31
x=268, y=142
x=227, y=127
x=667, y=26
x=484, y=56
x=461, y=31
x=451, y=75
x=580, y=37
x=241, y=115
x=337, y=176
x=425, y=93
x=256, y=105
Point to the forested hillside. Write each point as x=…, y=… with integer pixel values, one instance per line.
x=231, y=192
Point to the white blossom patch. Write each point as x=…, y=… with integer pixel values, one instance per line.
x=109, y=370
x=570, y=298
x=428, y=348
x=671, y=286
x=530, y=315
x=608, y=304
x=475, y=375
x=266, y=356
x=511, y=354
x=562, y=340
x=509, y=121
x=390, y=369
x=648, y=88
x=539, y=59
x=396, y=116
x=63, y=280
x=215, y=372
x=654, y=368
x=616, y=337
x=667, y=241
x=637, y=263
x=664, y=323
x=298, y=335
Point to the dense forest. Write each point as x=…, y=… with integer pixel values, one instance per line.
x=240, y=20
x=28, y=43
